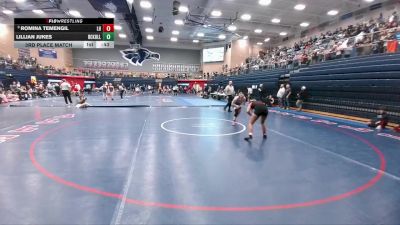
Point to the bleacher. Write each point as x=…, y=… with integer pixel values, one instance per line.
x=356, y=86
x=22, y=76
x=269, y=79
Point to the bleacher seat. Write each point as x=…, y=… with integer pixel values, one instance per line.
x=356, y=86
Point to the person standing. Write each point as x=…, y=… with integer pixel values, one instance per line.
x=229, y=92
x=104, y=90
x=175, y=89
x=280, y=95
x=286, y=97
x=57, y=89
x=77, y=89
x=249, y=93
x=66, y=91
x=301, y=96
x=121, y=88
x=110, y=91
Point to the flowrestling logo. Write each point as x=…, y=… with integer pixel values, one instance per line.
x=137, y=57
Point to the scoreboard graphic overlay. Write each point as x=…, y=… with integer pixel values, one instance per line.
x=64, y=33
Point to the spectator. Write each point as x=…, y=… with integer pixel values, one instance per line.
x=121, y=89
x=249, y=93
x=301, y=96
x=3, y=97
x=381, y=120
x=57, y=89
x=280, y=94
x=397, y=129
x=286, y=97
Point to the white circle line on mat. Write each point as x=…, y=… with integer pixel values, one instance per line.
x=201, y=135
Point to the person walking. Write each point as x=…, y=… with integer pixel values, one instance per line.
x=66, y=91
x=229, y=92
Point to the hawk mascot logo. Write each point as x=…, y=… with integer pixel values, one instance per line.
x=138, y=56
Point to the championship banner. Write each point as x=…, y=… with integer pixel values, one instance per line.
x=48, y=53
x=168, y=67
x=97, y=64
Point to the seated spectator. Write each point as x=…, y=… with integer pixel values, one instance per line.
x=12, y=97
x=381, y=120
x=3, y=97
x=397, y=129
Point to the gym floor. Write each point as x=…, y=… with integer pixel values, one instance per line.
x=178, y=160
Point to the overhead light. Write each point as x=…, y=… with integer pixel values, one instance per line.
x=130, y=1
x=305, y=24
x=216, y=13
x=74, y=13
x=333, y=13
x=259, y=43
x=19, y=1
x=183, y=9
x=117, y=27
x=145, y=4
x=196, y=41
x=179, y=22
x=200, y=34
x=221, y=36
x=264, y=2
x=150, y=38
x=8, y=12
x=283, y=33
x=258, y=31
x=246, y=17
x=245, y=37
x=38, y=11
x=147, y=19
x=276, y=20
x=369, y=0
x=232, y=28
x=109, y=15
x=267, y=39
x=149, y=30
x=174, y=39
x=299, y=7
x=122, y=35
x=175, y=32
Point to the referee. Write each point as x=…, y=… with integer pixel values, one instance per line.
x=229, y=92
x=66, y=91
